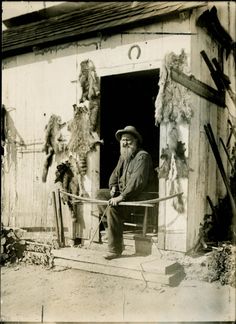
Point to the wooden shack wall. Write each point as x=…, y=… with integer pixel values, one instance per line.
x=45, y=82
x=205, y=178
x=34, y=89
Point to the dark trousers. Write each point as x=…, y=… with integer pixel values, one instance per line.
x=114, y=216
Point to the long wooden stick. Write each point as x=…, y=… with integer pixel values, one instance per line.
x=216, y=153
x=232, y=132
x=198, y=87
x=226, y=152
x=56, y=216
x=145, y=203
x=98, y=226
x=62, y=237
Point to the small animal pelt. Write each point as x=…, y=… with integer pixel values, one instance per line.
x=173, y=100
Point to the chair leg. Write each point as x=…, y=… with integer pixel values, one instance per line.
x=145, y=221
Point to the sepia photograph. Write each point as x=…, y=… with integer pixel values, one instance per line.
x=118, y=162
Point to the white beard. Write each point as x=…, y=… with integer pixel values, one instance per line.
x=126, y=152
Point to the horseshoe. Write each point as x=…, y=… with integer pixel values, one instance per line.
x=130, y=50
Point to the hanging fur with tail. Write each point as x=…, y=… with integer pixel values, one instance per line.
x=53, y=142
x=175, y=187
x=90, y=91
x=173, y=100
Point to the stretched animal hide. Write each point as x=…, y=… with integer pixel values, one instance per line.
x=90, y=90
x=173, y=100
x=82, y=140
x=68, y=174
x=69, y=183
x=175, y=187
x=181, y=161
x=175, y=149
x=53, y=142
x=83, y=131
x=164, y=169
x=79, y=128
x=174, y=167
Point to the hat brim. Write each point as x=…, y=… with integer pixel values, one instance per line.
x=120, y=132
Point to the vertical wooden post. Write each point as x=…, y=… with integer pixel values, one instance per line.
x=61, y=220
x=56, y=217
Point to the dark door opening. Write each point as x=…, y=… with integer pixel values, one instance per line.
x=127, y=99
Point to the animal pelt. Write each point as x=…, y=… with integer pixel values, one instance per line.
x=93, y=113
x=82, y=139
x=175, y=187
x=164, y=169
x=53, y=142
x=181, y=161
x=174, y=167
x=90, y=90
x=69, y=182
x=79, y=128
x=178, y=202
x=10, y=138
x=68, y=174
x=173, y=100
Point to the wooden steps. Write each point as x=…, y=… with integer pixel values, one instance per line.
x=150, y=269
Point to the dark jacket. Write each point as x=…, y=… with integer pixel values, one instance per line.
x=133, y=177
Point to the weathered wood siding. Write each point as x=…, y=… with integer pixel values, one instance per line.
x=35, y=87
x=205, y=178
x=43, y=83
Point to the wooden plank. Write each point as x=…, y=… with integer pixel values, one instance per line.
x=213, y=112
x=198, y=87
x=162, y=192
x=195, y=185
x=171, y=279
x=216, y=153
x=161, y=266
x=56, y=216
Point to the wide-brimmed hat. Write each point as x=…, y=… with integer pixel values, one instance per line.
x=129, y=130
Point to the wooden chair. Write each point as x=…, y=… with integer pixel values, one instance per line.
x=140, y=216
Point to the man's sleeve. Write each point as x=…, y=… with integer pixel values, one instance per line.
x=139, y=178
x=114, y=178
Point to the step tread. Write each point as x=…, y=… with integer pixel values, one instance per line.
x=108, y=269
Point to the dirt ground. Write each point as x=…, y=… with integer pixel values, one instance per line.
x=31, y=293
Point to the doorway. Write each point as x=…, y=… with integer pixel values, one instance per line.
x=127, y=99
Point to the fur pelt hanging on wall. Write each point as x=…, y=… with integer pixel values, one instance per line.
x=90, y=91
x=173, y=107
x=84, y=123
x=68, y=178
x=175, y=165
x=54, y=143
x=176, y=149
x=173, y=100
x=82, y=140
x=175, y=186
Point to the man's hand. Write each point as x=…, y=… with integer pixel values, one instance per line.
x=112, y=192
x=115, y=201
